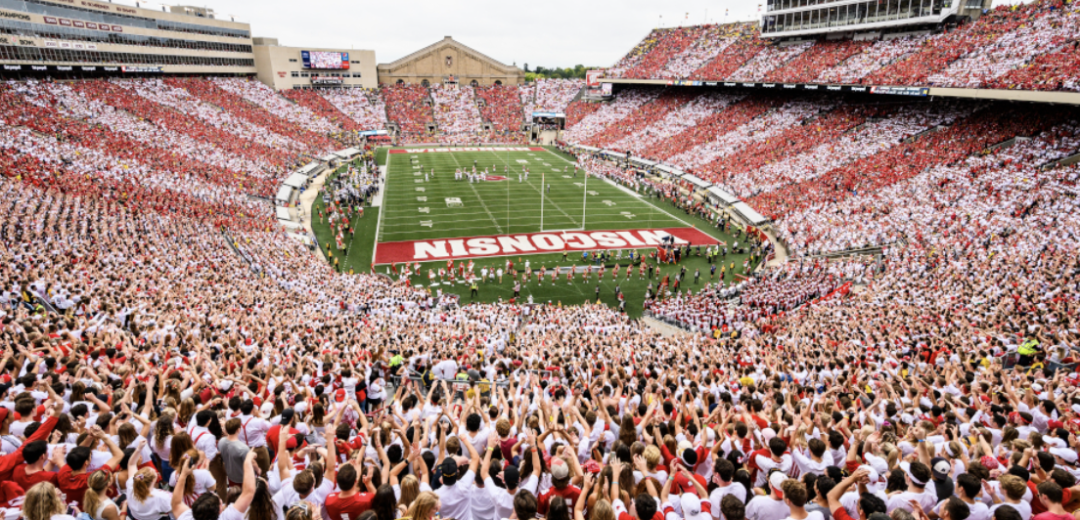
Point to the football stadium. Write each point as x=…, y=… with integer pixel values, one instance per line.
x=820, y=264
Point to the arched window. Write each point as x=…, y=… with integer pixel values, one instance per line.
x=425, y=83
x=400, y=82
x=475, y=83
x=498, y=82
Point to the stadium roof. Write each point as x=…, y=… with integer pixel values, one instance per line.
x=421, y=52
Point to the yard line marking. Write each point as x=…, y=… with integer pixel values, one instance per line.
x=481, y=199
x=541, y=192
x=378, y=224
x=646, y=201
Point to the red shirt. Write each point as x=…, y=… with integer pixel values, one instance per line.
x=349, y=508
x=74, y=486
x=25, y=481
x=10, y=461
x=841, y=514
x=272, y=436
x=1050, y=516
x=569, y=494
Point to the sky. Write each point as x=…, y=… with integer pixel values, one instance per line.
x=549, y=33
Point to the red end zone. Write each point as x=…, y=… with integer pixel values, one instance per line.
x=488, y=149
x=533, y=243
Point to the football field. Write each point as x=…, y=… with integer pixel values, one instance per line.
x=419, y=204
x=553, y=219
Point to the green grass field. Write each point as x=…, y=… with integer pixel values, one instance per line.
x=417, y=209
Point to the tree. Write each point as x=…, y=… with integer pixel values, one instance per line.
x=526, y=67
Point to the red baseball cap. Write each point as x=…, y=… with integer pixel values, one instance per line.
x=339, y=396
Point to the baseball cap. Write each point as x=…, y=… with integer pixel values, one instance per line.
x=339, y=396
x=940, y=468
x=1065, y=454
x=511, y=477
x=872, y=473
x=449, y=469
x=689, y=457
x=690, y=504
x=776, y=480
x=559, y=469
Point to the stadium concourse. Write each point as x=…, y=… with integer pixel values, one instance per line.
x=166, y=350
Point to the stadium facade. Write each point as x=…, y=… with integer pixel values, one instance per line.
x=90, y=38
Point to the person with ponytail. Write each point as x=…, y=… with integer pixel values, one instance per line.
x=161, y=442
x=96, y=503
x=199, y=480
x=304, y=510
x=145, y=501
x=262, y=503
x=425, y=507
x=208, y=505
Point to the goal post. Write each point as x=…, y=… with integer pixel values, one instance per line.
x=543, y=204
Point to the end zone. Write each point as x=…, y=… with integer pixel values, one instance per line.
x=533, y=243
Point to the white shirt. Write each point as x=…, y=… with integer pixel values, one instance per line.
x=204, y=480
x=204, y=441
x=288, y=497
x=978, y=510
x=504, y=501
x=157, y=505
x=719, y=493
x=1023, y=508
x=766, y=508
x=455, y=499
x=482, y=503
x=230, y=513
x=811, y=515
x=806, y=464
x=253, y=431
x=927, y=499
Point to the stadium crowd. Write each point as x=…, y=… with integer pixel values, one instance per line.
x=1021, y=46
x=366, y=108
x=550, y=95
x=319, y=105
x=502, y=107
x=409, y=106
x=163, y=353
x=455, y=109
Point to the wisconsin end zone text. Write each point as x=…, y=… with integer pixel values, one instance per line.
x=533, y=243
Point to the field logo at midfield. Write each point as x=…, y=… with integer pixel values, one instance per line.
x=461, y=149
x=533, y=243
x=494, y=178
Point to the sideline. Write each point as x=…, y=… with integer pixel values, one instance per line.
x=386, y=187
